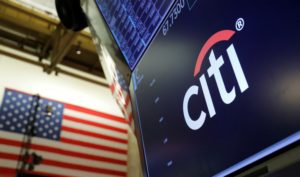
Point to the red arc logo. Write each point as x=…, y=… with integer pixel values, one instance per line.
x=219, y=36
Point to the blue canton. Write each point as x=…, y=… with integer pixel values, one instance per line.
x=17, y=111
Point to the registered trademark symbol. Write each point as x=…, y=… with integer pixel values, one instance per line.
x=239, y=24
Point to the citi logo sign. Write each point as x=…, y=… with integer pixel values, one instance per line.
x=213, y=72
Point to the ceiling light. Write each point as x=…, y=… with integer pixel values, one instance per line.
x=78, y=50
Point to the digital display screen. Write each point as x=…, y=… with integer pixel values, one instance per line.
x=219, y=87
x=133, y=23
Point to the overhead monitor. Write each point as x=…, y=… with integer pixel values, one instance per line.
x=133, y=24
x=218, y=88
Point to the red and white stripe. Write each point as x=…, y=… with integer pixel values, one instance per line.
x=123, y=100
x=91, y=144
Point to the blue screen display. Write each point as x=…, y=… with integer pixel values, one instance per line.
x=133, y=23
x=219, y=87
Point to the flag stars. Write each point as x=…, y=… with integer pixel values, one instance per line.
x=11, y=106
x=9, y=114
x=18, y=110
x=3, y=117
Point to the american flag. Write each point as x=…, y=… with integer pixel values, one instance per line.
x=120, y=92
x=118, y=85
x=73, y=141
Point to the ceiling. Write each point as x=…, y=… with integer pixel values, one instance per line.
x=32, y=26
x=44, y=5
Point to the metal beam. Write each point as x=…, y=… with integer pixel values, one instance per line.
x=41, y=24
x=23, y=40
x=56, y=69
x=62, y=41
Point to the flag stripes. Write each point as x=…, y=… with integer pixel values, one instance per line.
x=95, y=119
x=57, y=171
x=59, y=163
x=95, y=113
x=92, y=134
x=122, y=97
x=64, y=152
x=99, y=125
x=91, y=144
